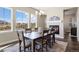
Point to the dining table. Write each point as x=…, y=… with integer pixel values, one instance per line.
x=35, y=35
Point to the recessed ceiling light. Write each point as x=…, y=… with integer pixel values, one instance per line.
x=36, y=12
x=42, y=12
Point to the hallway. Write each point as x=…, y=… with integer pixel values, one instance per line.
x=73, y=44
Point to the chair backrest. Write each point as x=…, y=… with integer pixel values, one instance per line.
x=28, y=30
x=46, y=35
x=21, y=37
x=53, y=31
x=36, y=29
x=45, y=32
x=40, y=29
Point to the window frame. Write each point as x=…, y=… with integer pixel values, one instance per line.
x=11, y=21
x=24, y=13
x=35, y=21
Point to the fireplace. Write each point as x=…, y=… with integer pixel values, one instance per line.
x=55, y=27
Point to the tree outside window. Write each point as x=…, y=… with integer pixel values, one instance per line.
x=21, y=20
x=5, y=19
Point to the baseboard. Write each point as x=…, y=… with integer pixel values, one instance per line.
x=8, y=43
x=58, y=36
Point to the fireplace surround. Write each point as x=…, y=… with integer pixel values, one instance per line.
x=55, y=27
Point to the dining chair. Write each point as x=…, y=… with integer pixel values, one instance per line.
x=38, y=45
x=23, y=42
x=20, y=41
x=41, y=43
x=53, y=35
x=45, y=39
x=28, y=30
x=36, y=29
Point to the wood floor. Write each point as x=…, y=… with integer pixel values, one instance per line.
x=73, y=44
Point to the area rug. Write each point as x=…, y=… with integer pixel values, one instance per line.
x=59, y=46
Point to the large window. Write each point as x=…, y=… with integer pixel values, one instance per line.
x=21, y=19
x=5, y=19
x=33, y=21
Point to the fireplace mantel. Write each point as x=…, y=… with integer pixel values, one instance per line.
x=61, y=32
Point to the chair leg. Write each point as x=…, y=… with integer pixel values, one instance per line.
x=52, y=42
x=30, y=48
x=19, y=49
x=46, y=47
x=24, y=50
x=42, y=46
x=54, y=38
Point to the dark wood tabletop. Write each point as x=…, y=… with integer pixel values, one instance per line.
x=33, y=35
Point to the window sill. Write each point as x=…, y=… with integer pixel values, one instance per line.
x=5, y=31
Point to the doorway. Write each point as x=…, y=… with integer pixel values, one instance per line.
x=70, y=22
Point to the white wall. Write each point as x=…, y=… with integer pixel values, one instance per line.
x=78, y=24
x=56, y=11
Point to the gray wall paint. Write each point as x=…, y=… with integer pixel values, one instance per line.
x=7, y=37
x=41, y=21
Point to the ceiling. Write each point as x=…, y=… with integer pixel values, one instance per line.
x=70, y=11
x=47, y=9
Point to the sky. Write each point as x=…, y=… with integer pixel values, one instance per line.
x=22, y=17
x=5, y=15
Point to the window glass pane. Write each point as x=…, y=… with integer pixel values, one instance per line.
x=5, y=19
x=21, y=20
x=33, y=21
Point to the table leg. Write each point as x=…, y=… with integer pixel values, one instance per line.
x=33, y=46
x=54, y=38
x=42, y=44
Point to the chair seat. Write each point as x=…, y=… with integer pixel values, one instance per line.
x=27, y=43
x=40, y=42
x=38, y=47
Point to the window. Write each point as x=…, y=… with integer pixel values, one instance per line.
x=5, y=19
x=33, y=21
x=21, y=20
